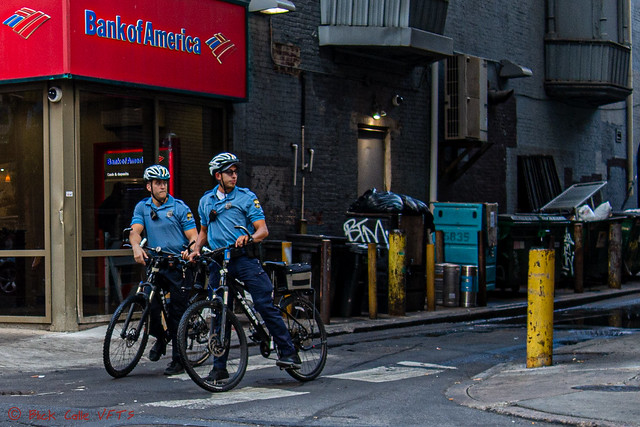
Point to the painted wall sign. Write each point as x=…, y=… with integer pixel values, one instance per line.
x=190, y=45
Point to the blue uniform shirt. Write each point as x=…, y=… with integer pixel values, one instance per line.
x=167, y=231
x=240, y=207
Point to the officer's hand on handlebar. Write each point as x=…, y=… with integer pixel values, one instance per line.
x=186, y=253
x=243, y=240
x=139, y=255
x=191, y=257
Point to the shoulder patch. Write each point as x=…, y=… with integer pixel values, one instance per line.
x=256, y=203
x=189, y=216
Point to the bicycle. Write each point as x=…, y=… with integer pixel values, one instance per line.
x=128, y=330
x=210, y=326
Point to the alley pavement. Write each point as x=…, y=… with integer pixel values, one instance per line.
x=591, y=383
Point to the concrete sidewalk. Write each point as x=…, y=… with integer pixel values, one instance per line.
x=596, y=382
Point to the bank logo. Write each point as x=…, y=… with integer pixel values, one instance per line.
x=220, y=45
x=25, y=21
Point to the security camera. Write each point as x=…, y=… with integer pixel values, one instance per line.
x=397, y=100
x=54, y=94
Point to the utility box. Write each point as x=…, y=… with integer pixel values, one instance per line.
x=460, y=224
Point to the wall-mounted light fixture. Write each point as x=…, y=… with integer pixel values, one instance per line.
x=271, y=7
x=378, y=114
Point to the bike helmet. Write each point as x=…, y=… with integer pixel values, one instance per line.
x=222, y=162
x=156, y=172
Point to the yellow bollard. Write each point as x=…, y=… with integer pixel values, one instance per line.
x=372, y=254
x=431, y=278
x=397, y=291
x=287, y=252
x=540, y=307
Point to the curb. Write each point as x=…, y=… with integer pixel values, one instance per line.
x=363, y=324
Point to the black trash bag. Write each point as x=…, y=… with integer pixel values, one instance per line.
x=418, y=207
x=373, y=201
x=411, y=205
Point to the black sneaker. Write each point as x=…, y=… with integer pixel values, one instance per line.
x=158, y=350
x=217, y=375
x=174, y=368
x=290, y=361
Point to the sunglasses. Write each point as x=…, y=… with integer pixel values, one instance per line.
x=231, y=172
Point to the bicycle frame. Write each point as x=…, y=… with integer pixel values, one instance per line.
x=152, y=269
x=234, y=290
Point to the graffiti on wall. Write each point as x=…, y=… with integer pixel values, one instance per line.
x=568, y=253
x=366, y=230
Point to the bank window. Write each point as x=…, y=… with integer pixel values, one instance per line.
x=118, y=140
x=22, y=200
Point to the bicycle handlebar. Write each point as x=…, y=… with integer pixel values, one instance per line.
x=214, y=253
x=158, y=252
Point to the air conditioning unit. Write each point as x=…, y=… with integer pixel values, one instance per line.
x=465, y=98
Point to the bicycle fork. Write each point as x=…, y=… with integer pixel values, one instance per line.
x=125, y=329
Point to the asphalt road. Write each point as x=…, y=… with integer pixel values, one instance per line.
x=381, y=378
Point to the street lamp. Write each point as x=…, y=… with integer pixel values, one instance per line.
x=271, y=7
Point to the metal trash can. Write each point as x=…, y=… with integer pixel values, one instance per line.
x=451, y=285
x=468, y=285
x=439, y=283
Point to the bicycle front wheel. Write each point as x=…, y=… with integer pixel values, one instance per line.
x=195, y=348
x=308, y=334
x=126, y=336
x=204, y=352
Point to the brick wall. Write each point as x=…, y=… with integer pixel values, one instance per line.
x=331, y=92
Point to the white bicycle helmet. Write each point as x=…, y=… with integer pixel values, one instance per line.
x=222, y=162
x=156, y=172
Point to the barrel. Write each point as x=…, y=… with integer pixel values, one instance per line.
x=468, y=285
x=439, y=283
x=451, y=285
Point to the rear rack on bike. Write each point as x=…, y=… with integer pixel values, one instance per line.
x=289, y=277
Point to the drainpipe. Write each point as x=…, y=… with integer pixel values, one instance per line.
x=630, y=150
x=433, y=167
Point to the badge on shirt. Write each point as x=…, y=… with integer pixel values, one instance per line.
x=228, y=205
x=169, y=214
x=256, y=203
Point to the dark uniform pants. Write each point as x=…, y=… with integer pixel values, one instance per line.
x=250, y=272
x=171, y=281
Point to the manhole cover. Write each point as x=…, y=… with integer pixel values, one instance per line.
x=615, y=388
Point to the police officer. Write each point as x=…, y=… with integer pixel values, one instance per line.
x=170, y=225
x=220, y=210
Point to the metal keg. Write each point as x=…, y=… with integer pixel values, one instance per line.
x=451, y=286
x=468, y=285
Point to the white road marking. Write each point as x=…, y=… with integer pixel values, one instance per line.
x=392, y=373
x=425, y=365
x=255, y=363
x=245, y=394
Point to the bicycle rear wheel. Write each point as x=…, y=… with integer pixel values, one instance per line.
x=308, y=334
x=201, y=321
x=126, y=337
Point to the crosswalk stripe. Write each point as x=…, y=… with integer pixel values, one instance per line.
x=381, y=374
x=245, y=394
x=254, y=363
x=425, y=365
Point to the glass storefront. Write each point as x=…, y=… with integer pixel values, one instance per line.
x=119, y=136
x=22, y=204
